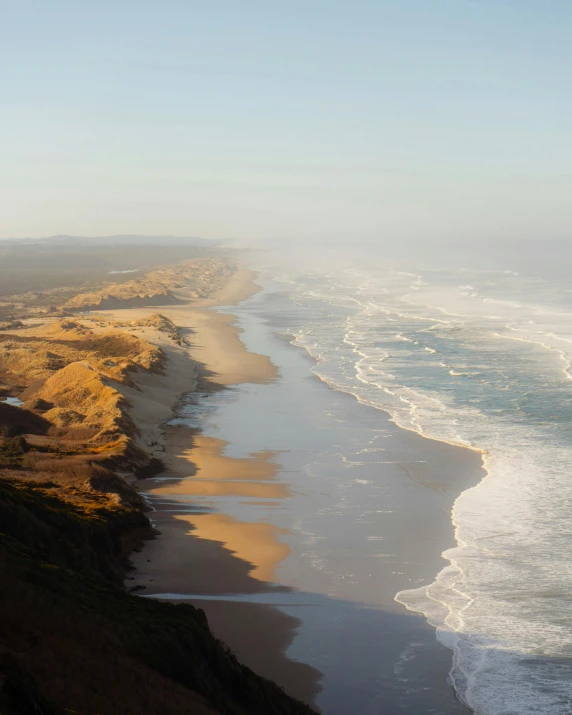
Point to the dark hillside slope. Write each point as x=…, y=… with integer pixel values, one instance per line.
x=73, y=641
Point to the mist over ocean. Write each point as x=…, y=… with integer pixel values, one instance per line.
x=481, y=358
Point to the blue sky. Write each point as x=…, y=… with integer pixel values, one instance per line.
x=401, y=119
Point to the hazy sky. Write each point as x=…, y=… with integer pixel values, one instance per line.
x=237, y=118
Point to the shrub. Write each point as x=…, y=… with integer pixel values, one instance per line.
x=12, y=451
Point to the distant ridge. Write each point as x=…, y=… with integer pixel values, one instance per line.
x=43, y=264
x=115, y=240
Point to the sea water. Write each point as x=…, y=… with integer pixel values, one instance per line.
x=478, y=358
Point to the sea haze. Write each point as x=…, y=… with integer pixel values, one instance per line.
x=481, y=359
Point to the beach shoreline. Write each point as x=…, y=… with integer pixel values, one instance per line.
x=205, y=551
x=213, y=554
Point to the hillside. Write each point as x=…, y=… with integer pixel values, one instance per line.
x=72, y=640
x=67, y=264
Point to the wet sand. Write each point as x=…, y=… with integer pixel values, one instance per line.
x=253, y=632
x=263, y=500
x=201, y=551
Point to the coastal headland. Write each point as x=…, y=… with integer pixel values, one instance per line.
x=86, y=393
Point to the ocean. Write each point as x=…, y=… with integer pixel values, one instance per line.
x=478, y=358
x=413, y=526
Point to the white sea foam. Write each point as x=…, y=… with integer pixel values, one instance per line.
x=500, y=384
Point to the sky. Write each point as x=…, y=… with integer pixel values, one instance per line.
x=311, y=119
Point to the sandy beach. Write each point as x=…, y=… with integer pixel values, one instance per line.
x=288, y=562
x=200, y=552
x=212, y=350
